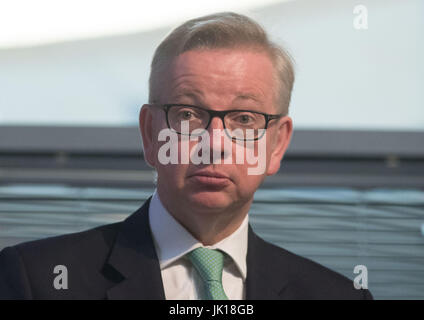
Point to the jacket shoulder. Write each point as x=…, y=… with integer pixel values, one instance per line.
x=308, y=279
x=78, y=243
x=27, y=270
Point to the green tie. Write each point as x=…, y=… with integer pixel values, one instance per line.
x=209, y=264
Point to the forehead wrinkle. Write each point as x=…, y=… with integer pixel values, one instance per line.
x=185, y=85
x=246, y=96
x=189, y=90
x=181, y=87
x=192, y=82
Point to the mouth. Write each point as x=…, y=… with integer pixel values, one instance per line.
x=210, y=179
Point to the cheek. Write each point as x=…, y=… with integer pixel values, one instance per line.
x=172, y=175
x=269, y=145
x=247, y=184
x=172, y=167
x=256, y=158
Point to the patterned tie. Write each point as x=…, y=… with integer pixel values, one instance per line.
x=209, y=264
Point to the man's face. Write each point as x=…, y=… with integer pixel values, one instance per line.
x=219, y=79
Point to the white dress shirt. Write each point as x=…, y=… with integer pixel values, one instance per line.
x=172, y=242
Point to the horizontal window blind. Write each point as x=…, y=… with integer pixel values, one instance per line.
x=337, y=227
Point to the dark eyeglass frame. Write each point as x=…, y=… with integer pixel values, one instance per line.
x=220, y=114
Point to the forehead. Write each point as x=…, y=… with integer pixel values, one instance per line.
x=223, y=75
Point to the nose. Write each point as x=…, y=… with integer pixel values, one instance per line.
x=216, y=123
x=219, y=150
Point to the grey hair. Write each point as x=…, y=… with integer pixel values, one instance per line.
x=219, y=31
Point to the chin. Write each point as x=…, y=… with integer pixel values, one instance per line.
x=210, y=200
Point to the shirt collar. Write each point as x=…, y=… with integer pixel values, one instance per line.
x=173, y=241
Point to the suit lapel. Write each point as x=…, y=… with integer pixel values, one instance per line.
x=134, y=257
x=266, y=278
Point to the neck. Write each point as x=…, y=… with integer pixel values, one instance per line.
x=207, y=226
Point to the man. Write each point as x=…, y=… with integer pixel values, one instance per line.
x=215, y=79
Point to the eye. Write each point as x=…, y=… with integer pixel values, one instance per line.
x=186, y=115
x=244, y=118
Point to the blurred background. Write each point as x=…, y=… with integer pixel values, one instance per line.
x=73, y=76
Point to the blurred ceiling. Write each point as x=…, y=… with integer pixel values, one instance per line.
x=28, y=23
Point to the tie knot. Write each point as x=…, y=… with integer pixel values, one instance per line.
x=208, y=262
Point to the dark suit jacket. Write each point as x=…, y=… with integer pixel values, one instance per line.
x=119, y=261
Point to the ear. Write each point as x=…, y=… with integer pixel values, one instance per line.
x=147, y=134
x=279, y=144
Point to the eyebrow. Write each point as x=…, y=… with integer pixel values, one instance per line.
x=191, y=93
x=248, y=96
x=197, y=95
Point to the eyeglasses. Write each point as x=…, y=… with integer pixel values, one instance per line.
x=244, y=125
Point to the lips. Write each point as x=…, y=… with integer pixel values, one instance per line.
x=212, y=174
x=210, y=179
